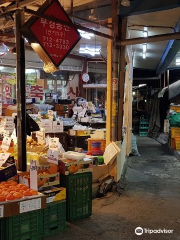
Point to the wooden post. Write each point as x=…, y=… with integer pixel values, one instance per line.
x=109, y=90
x=122, y=79
x=21, y=94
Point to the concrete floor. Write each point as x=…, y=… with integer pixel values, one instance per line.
x=151, y=199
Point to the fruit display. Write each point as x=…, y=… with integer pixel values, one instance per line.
x=11, y=190
x=45, y=178
x=32, y=142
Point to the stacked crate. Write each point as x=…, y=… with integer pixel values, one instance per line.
x=79, y=195
x=143, y=127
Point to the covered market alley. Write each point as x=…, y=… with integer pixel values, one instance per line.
x=149, y=200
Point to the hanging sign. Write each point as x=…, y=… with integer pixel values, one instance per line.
x=56, y=39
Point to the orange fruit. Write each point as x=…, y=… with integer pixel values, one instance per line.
x=20, y=185
x=2, y=198
x=24, y=187
x=17, y=195
x=27, y=193
x=14, y=184
x=12, y=192
x=34, y=192
x=10, y=197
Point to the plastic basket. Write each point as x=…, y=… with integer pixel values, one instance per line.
x=175, y=108
x=79, y=195
x=93, y=140
x=2, y=229
x=25, y=226
x=143, y=134
x=175, y=131
x=53, y=218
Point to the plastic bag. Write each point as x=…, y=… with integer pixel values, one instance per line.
x=134, y=146
x=175, y=120
x=105, y=186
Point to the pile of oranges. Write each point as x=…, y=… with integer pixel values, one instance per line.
x=11, y=190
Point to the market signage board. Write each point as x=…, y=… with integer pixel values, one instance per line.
x=53, y=156
x=57, y=40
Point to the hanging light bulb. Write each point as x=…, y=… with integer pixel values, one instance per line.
x=125, y=3
x=92, y=15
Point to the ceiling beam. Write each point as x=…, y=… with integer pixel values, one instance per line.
x=155, y=38
x=170, y=52
x=147, y=6
x=70, y=24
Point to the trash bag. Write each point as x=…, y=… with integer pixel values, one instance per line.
x=134, y=146
x=105, y=186
x=175, y=120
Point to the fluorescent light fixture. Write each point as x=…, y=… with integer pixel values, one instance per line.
x=30, y=70
x=144, y=55
x=144, y=47
x=142, y=85
x=145, y=28
x=177, y=61
x=134, y=93
x=145, y=100
x=85, y=34
x=90, y=51
x=145, y=33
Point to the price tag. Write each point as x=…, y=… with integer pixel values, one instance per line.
x=9, y=126
x=53, y=156
x=6, y=143
x=41, y=134
x=1, y=211
x=53, y=143
x=33, y=175
x=30, y=205
x=3, y=158
x=50, y=114
x=57, y=126
x=9, y=120
x=13, y=137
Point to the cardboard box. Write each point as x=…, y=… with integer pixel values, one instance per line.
x=44, y=180
x=26, y=204
x=99, y=171
x=55, y=194
x=8, y=172
x=73, y=132
x=4, y=209
x=67, y=166
x=29, y=204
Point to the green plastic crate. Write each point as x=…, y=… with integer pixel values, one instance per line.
x=25, y=226
x=53, y=218
x=78, y=195
x=2, y=228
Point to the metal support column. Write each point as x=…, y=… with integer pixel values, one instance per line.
x=21, y=93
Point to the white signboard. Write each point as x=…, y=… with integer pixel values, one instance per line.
x=47, y=125
x=6, y=143
x=33, y=175
x=53, y=156
x=53, y=144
